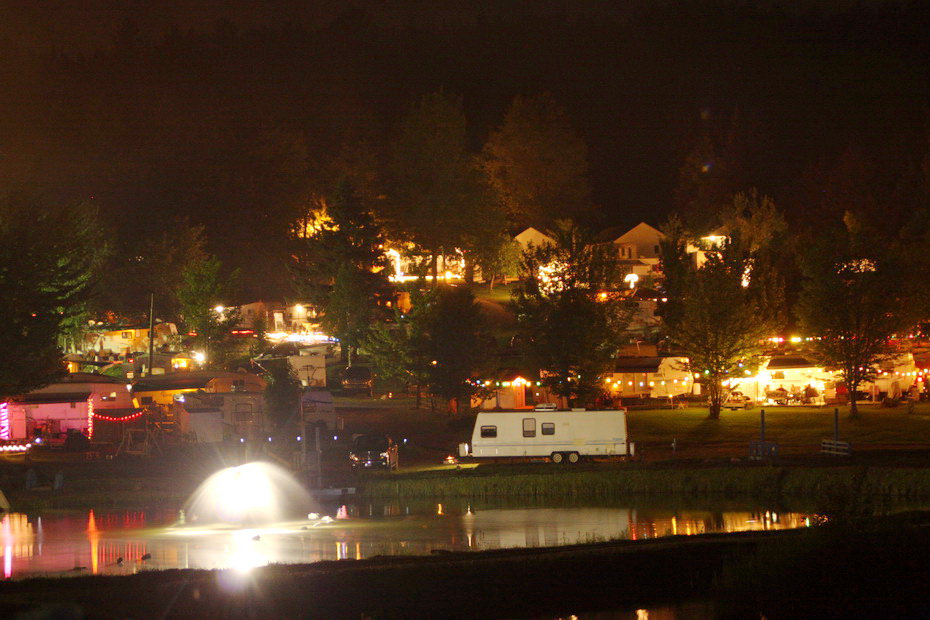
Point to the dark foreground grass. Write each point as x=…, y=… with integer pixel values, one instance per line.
x=874, y=570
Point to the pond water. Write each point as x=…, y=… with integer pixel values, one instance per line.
x=121, y=542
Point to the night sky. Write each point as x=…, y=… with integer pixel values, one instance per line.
x=229, y=114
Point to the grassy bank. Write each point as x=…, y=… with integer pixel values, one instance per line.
x=606, y=481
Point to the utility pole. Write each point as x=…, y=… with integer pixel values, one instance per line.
x=151, y=333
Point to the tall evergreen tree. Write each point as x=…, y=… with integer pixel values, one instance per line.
x=399, y=348
x=340, y=268
x=49, y=255
x=458, y=345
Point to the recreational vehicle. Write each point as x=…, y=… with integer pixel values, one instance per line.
x=544, y=432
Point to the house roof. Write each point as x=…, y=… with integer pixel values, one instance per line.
x=637, y=364
x=90, y=377
x=533, y=235
x=45, y=398
x=641, y=294
x=183, y=380
x=641, y=226
x=780, y=362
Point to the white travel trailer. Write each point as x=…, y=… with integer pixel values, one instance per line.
x=545, y=432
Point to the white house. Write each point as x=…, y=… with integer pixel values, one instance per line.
x=653, y=377
x=533, y=236
x=123, y=341
x=639, y=251
x=643, y=241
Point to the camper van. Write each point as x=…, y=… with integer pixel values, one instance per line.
x=544, y=432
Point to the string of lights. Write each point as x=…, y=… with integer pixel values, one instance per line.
x=127, y=418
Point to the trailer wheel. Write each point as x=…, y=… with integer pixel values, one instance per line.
x=556, y=457
x=573, y=457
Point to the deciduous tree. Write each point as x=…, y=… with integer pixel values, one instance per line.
x=569, y=315
x=725, y=300
x=497, y=256
x=537, y=164
x=203, y=296
x=860, y=288
x=436, y=195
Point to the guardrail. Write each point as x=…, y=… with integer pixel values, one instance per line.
x=833, y=447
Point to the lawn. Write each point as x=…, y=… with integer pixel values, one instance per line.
x=796, y=430
x=793, y=428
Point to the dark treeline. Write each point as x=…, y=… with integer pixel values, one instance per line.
x=236, y=128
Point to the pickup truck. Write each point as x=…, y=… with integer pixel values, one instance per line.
x=738, y=400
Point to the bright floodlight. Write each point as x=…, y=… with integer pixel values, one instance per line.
x=219, y=309
x=249, y=494
x=632, y=279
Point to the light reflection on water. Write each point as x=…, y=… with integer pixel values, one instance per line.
x=120, y=543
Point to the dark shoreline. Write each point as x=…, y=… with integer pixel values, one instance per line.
x=874, y=567
x=786, y=574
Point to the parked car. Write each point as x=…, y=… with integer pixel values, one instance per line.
x=374, y=452
x=358, y=378
x=738, y=400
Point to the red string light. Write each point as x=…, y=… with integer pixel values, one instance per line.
x=127, y=418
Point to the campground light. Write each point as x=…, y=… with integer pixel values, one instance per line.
x=200, y=357
x=631, y=279
x=219, y=309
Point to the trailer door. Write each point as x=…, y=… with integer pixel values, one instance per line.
x=529, y=427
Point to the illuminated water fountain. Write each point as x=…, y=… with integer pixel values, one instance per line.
x=247, y=495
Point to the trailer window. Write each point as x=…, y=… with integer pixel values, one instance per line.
x=548, y=428
x=488, y=432
x=529, y=427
